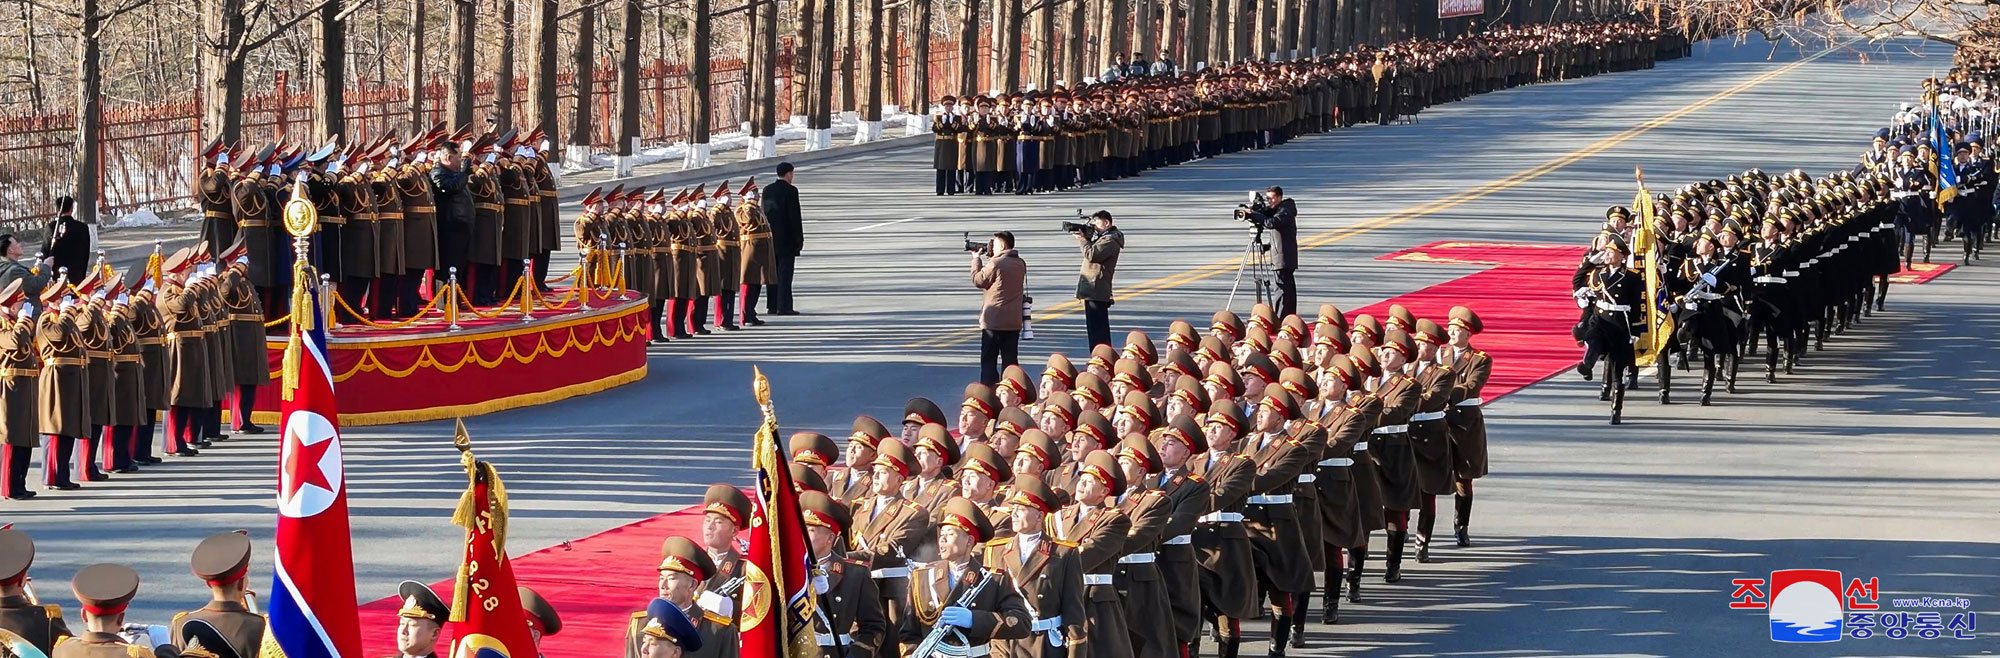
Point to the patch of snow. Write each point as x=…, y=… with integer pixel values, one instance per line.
x=140, y=217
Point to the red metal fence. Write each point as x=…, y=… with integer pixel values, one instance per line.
x=148, y=149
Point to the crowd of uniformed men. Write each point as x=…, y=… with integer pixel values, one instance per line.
x=1041, y=141
x=1782, y=262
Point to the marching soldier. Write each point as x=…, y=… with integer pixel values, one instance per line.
x=933, y=484
x=813, y=450
x=1100, y=531
x=1222, y=545
x=104, y=590
x=1611, y=294
x=187, y=347
x=1186, y=496
x=959, y=595
x=980, y=475
x=223, y=561
x=1430, y=435
x=892, y=532
x=1390, y=445
x=1137, y=575
x=1047, y=572
x=850, y=482
x=419, y=620
x=854, y=626
x=1280, y=449
x=1470, y=367
x=725, y=511
x=1347, y=416
x=41, y=624
x=683, y=568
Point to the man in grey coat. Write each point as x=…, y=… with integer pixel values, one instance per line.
x=1100, y=246
x=1001, y=273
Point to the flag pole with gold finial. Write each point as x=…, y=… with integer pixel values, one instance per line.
x=301, y=220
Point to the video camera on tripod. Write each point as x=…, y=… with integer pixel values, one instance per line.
x=1255, y=211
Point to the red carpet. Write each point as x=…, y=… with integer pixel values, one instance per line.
x=1920, y=273
x=596, y=582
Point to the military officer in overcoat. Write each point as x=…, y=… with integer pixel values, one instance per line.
x=961, y=592
x=223, y=562
x=1470, y=367
x=1046, y=571
x=853, y=626
x=41, y=624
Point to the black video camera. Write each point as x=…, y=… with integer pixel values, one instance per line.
x=1255, y=209
x=1081, y=225
x=980, y=248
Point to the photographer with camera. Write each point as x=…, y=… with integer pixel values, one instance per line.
x=1276, y=213
x=1100, y=242
x=1001, y=273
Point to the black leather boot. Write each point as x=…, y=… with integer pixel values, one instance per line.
x=1360, y=556
x=1395, y=571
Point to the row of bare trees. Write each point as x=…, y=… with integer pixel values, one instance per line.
x=124, y=52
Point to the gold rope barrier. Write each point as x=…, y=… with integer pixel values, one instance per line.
x=369, y=362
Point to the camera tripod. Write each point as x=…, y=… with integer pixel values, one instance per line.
x=1256, y=261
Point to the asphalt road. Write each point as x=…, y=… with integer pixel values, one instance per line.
x=1591, y=539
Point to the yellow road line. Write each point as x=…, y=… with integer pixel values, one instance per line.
x=1171, y=281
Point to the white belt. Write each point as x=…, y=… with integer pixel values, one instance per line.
x=1177, y=541
x=1049, y=624
x=1885, y=226
x=1472, y=402
x=1768, y=279
x=1428, y=415
x=1337, y=461
x=825, y=640
x=1613, y=307
x=975, y=651
x=1361, y=446
x=1270, y=499
x=1097, y=579
x=1139, y=558
x=891, y=572
x=1812, y=262
x=1391, y=429
x=1901, y=195
x=1221, y=517
x=1792, y=273
x=1308, y=478
x=1838, y=249
x=717, y=603
x=1854, y=238
x=1705, y=296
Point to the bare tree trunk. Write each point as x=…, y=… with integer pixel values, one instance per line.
x=463, y=44
x=223, y=102
x=1200, y=18
x=823, y=115
x=764, y=117
x=329, y=109
x=1073, y=55
x=87, y=178
x=1173, y=37
x=584, y=61
x=413, y=66
x=1266, y=41
x=968, y=48
x=892, y=60
x=628, y=76
x=748, y=53
x=1222, y=33
x=920, y=57
x=1010, y=73
x=542, y=65
x=502, y=113
x=996, y=40
x=1143, y=20
x=871, y=65
x=803, y=52
x=848, y=53
x=37, y=97
x=701, y=79
x=1288, y=29
x=1044, y=28
x=1116, y=43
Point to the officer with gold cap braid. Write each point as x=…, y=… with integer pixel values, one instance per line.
x=932, y=485
x=223, y=561
x=105, y=590
x=1395, y=458
x=1045, y=570
x=891, y=531
x=725, y=510
x=942, y=593
x=804, y=479
x=918, y=412
x=850, y=482
x=1471, y=367
x=981, y=474
x=1222, y=545
x=41, y=624
x=684, y=566
x=848, y=596
x=1015, y=390
x=1093, y=521
x=975, y=415
x=420, y=620
x=1007, y=429
x=813, y=449
x=1277, y=449
x=1430, y=436
x=1137, y=576
x=1178, y=444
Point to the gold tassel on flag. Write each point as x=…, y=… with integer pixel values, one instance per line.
x=301, y=220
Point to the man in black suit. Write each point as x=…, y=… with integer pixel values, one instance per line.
x=781, y=207
x=68, y=240
x=1282, y=217
x=454, y=208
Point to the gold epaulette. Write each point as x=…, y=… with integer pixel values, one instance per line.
x=136, y=651
x=1062, y=542
x=178, y=616
x=1193, y=476
x=716, y=619
x=639, y=616
x=54, y=611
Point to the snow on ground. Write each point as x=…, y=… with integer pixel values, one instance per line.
x=844, y=125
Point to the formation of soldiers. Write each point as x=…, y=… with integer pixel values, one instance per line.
x=682, y=252
x=1780, y=263
x=1117, y=508
x=393, y=215
x=1034, y=141
x=87, y=369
